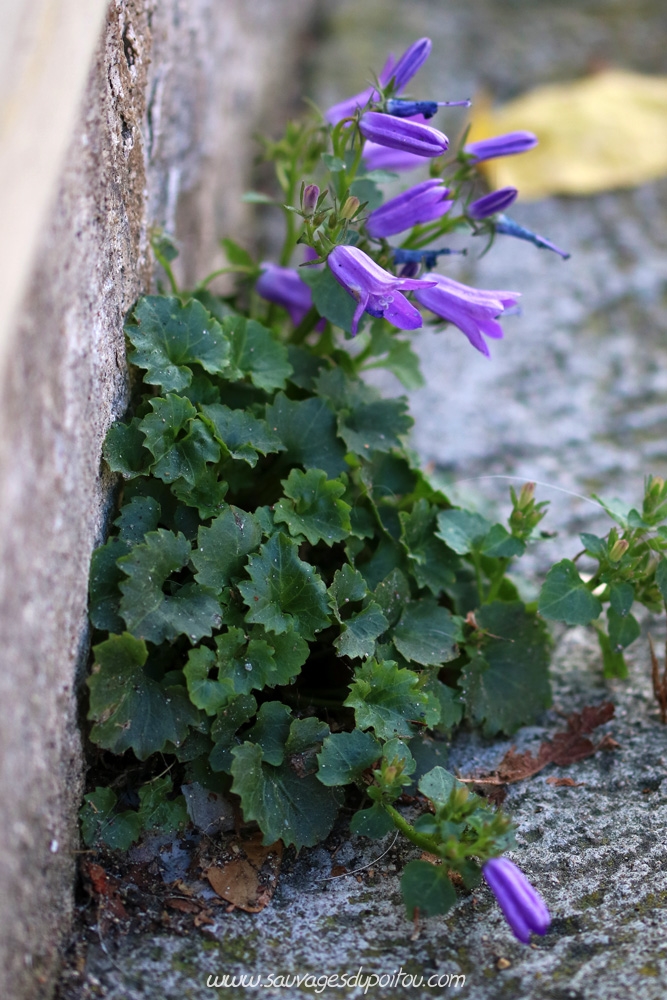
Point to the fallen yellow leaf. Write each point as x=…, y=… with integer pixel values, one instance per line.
x=606, y=131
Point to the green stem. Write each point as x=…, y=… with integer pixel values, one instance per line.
x=496, y=583
x=307, y=324
x=418, y=839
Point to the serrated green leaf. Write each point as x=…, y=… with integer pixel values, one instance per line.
x=392, y=594
x=366, y=422
x=136, y=519
x=223, y=548
x=181, y=444
x=438, y=784
x=306, y=366
x=623, y=629
x=372, y=823
x=256, y=354
x=618, y=510
x=596, y=546
x=207, y=693
x=403, y=363
x=285, y=593
x=360, y=630
x=171, y=337
x=330, y=299
x=313, y=507
x=462, y=530
x=431, y=562
x=100, y=823
x=449, y=702
x=388, y=699
x=506, y=683
x=156, y=811
x=499, y=544
x=426, y=888
x=243, y=435
x=255, y=659
x=207, y=494
x=271, y=730
x=306, y=737
x=564, y=596
x=147, y=610
x=124, y=451
x=228, y=721
x=307, y=428
x=103, y=585
x=427, y=633
x=345, y=756
x=348, y=586
x=296, y=810
x=130, y=709
x=367, y=192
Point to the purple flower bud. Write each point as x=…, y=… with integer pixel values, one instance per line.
x=378, y=157
x=472, y=310
x=376, y=290
x=408, y=109
x=311, y=193
x=501, y=145
x=523, y=907
x=496, y=201
x=348, y=107
x=422, y=203
x=283, y=286
x=398, y=133
x=410, y=63
x=508, y=227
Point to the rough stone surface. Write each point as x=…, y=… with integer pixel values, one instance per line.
x=173, y=96
x=576, y=396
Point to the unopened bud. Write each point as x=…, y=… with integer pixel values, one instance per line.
x=526, y=495
x=350, y=207
x=311, y=193
x=618, y=550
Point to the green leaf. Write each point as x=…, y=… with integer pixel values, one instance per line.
x=461, y=530
x=305, y=738
x=236, y=255
x=426, y=888
x=388, y=699
x=131, y=710
x=613, y=661
x=392, y=594
x=618, y=510
x=207, y=693
x=360, y=630
x=566, y=598
x=366, y=422
x=243, y=435
x=330, y=299
x=223, y=548
x=401, y=361
x=345, y=756
x=103, y=586
x=623, y=629
x=373, y=823
x=124, y=450
x=100, y=822
x=171, y=337
x=285, y=593
x=256, y=354
x=499, y=544
x=136, y=519
x=148, y=611
x=431, y=562
x=255, y=659
x=661, y=578
x=271, y=730
x=348, y=585
x=180, y=443
x=228, y=721
x=207, y=494
x=296, y=810
x=427, y=633
x=438, y=784
x=314, y=507
x=157, y=811
x=451, y=706
x=596, y=546
x=506, y=683
x=307, y=428
x=621, y=597
x=367, y=192
x=333, y=163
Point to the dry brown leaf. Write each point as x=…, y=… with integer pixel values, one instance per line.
x=247, y=880
x=565, y=782
x=605, y=131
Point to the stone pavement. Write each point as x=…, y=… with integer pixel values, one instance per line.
x=575, y=396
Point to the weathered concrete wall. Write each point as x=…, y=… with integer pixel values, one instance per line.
x=175, y=90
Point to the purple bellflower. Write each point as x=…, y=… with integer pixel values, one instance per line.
x=377, y=291
x=401, y=133
x=410, y=63
x=378, y=157
x=501, y=145
x=473, y=310
x=508, y=227
x=496, y=201
x=423, y=203
x=523, y=907
x=284, y=286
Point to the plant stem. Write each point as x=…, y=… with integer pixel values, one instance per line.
x=418, y=839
